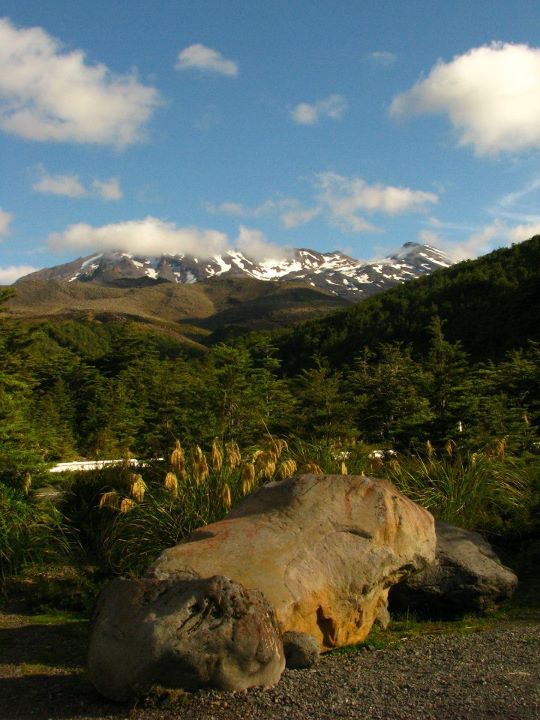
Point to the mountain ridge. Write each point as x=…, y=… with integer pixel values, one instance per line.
x=334, y=272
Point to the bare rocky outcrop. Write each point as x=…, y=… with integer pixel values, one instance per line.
x=467, y=576
x=185, y=633
x=323, y=549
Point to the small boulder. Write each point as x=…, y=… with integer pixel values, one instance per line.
x=301, y=650
x=466, y=576
x=185, y=633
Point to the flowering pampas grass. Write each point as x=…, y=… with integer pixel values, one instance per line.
x=247, y=478
x=178, y=459
x=171, y=484
x=109, y=500
x=126, y=505
x=233, y=454
x=280, y=445
x=200, y=466
x=287, y=468
x=137, y=487
x=265, y=463
x=226, y=497
x=216, y=457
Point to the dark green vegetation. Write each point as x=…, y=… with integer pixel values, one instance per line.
x=445, y=371
x=489, y=305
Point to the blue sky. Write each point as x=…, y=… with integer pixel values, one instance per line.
x=175, y=126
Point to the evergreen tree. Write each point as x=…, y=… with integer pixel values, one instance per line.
x=446, y=366
x=388, y=402
x=324, y=409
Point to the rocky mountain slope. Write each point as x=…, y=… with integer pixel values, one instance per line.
x=334, y=273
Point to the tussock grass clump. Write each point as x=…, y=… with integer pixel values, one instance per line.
x=30, y=533
x=159, y=513
x=473, y=490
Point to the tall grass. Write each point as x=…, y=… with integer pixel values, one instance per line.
x=30, y=533
x=472, y=490
x=193, y=488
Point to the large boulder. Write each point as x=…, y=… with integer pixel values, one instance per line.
x=183, y=633
x=323, y=549
x=466, y=576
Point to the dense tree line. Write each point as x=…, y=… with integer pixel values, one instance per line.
x=454, y=356
x=74, y=389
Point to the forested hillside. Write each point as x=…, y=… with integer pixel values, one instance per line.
x=490, y=305
x=450, y=356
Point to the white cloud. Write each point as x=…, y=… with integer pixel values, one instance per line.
x=382, y=57
x=200, y=57
x=11, y=273
x=149, y=236
x=5, y=221
x=478, y=243
x=491, y=95
x=49, y=94
x=295, y=218
x=482, y=240
x=289, y=210
x=345, y=197
x=333, y=107
x=519, y=233
x=228, y=208
x=152, y=236
x=65, y=185
x=70, y=186
x=265, y=208
x=510, y=199
x=254, y=244
x=108, y=189
x=429, y=237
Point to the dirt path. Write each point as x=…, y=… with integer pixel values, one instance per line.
x=494, y=673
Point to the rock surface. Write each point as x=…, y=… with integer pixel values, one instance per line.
x=467, y=576
x=301, y=650
x=187, y=633
x=323, y=549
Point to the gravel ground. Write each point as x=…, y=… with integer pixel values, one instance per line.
x=493, y=673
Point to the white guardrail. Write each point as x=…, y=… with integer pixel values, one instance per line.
x=95, y=464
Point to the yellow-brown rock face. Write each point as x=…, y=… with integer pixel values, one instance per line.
x=324, y=550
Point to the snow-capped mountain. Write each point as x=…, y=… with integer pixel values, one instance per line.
x=333, y=272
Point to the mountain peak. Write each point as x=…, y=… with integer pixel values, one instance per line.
x=334, y=272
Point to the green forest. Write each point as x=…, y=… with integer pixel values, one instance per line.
x=434, y=384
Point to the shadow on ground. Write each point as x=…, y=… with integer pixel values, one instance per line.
x=42, y=673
